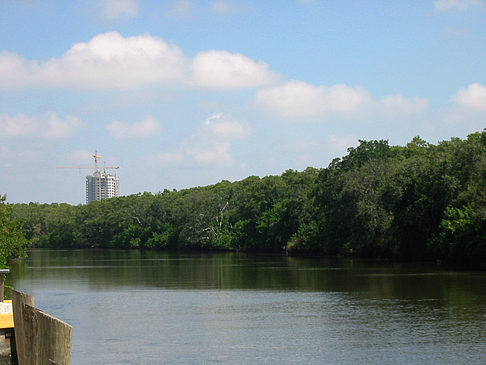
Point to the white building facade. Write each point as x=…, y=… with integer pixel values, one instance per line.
x=101, y=186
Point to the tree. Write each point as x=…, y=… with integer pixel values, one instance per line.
x=13, y=243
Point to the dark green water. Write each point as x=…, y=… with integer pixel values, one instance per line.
x=131, y=307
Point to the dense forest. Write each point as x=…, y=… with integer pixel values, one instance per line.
x=415, y=202
x=13, y=243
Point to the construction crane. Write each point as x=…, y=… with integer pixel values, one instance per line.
x=96, y=159
x=99, y=185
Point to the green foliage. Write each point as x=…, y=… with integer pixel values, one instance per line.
x=416, y=202
x=167, y=238
x=13, y=243
x=306, y=239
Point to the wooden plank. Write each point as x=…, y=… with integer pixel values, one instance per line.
x=18, y=301
x=2, y=283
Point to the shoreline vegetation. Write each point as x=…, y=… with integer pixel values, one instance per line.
x=415, y=202
x=13, y=243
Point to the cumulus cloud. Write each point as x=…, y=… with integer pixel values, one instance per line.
x=218, y=153
x=473, y=96
x=110, y=61
x=224, y=7
x=299, y=99
x=221, y=126
x=107, y=61
x=468, y=107
x=181, y=8
x=114, y=9
x=443, y=5
x=146, y=128
x=49, y=126
x=211, y=143
x=225, y=70
x=400, y=106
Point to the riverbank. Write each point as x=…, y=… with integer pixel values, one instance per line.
x=415, y=202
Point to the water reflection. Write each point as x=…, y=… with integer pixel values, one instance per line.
x=105, y=269
x=145, y=307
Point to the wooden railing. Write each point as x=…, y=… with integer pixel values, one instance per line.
x=39, y=337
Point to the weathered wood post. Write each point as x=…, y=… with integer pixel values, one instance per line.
x=2, y=282
x=18, y=301
x=48, y=340
x=41, y=338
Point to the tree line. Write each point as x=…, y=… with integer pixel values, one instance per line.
x=416, y=202
x=13, y=243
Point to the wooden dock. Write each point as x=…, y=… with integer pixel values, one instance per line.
x=36, y=338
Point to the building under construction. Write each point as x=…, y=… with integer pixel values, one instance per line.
x=102, y=185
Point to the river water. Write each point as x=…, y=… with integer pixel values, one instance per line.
x=150, y=307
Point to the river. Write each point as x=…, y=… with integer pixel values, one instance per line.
x=151, y=307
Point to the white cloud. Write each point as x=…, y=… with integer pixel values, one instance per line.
x=146, y=128
x=220, y=125
x=224, y=7
x=49, y=126
x=211, y=143
x=473, y=96
x=299, y=99
x=113, y=9
x=17, y=72
x=468, y=108
x=18, y=156
x=181, y=8
x=443, y=5
x=218, y=153
x=106, y=61
x=110, y=61
x=225, y=70
x=400, y=106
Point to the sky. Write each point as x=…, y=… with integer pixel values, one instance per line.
x=187, y=93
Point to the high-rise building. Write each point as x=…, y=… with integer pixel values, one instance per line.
x=101, y=185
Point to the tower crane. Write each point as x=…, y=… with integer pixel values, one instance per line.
x=96, y=160
x=99, y=186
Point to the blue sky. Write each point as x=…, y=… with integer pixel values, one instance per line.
x=187, y=93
